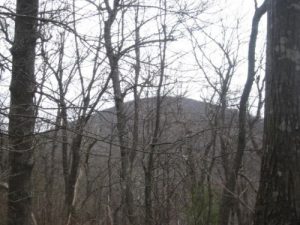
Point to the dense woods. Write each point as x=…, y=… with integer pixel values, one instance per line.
x=136, y=112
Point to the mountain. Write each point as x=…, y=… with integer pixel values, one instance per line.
x=194, y=150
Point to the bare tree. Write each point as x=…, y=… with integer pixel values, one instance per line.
x=113, y=56
x=227, y=200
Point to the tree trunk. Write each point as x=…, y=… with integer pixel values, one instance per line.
x=74, y=170
x=21, y=115
x=127, y=207
x=228, y=199
x=278, y=200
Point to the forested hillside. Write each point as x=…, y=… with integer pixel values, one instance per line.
x=189, y=165
x=139, y=112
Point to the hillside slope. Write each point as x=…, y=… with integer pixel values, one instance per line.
x=194, y=150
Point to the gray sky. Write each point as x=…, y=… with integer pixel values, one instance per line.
x=228, y=13
x=222, y=12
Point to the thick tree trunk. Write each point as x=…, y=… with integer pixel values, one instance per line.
x=21, y=115
x=278, y=200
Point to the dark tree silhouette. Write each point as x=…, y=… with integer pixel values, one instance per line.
x=278, y=200
x=228, y=198
x=22, y=113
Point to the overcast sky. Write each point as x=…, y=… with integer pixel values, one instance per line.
x=230, y=12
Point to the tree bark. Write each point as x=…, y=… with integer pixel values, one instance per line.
x=278, y=200
x=21, y=115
